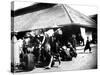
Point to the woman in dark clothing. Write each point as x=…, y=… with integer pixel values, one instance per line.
x=87, y=46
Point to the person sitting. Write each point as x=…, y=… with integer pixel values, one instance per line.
x=72, y=50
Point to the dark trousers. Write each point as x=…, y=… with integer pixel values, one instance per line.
x=87, y=47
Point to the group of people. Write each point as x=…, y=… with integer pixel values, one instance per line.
x=46, y=48
x=79, y=40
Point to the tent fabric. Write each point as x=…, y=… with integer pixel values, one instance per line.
x=79, y=18
x=41, y=19
x=51, y=17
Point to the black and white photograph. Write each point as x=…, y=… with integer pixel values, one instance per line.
x=53, y=37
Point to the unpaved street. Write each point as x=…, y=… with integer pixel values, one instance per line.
x=82, y=61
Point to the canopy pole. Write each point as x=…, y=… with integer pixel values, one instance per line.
x=67, y=12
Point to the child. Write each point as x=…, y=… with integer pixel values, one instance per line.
x=87, y=46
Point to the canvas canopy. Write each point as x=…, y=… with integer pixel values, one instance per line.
x=58, y=15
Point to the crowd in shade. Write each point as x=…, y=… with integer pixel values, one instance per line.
x=42, y=48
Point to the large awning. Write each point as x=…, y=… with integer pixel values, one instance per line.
x=55, y=16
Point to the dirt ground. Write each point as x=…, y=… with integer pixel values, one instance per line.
x=83, y=61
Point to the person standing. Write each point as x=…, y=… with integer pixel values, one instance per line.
x=87, y=46
x=15, y=53
x=73, y=41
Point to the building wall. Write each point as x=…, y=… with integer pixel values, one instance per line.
x=85, y=33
